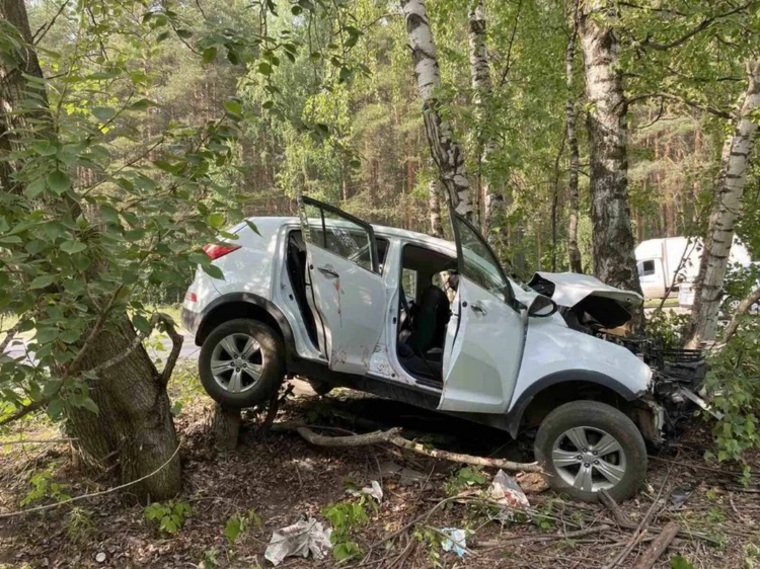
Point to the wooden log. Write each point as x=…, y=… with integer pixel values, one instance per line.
x=658, y=546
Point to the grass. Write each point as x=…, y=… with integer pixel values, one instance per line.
x=655, y=303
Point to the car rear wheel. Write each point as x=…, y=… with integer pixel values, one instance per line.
x=242, y=363
x=587, y=446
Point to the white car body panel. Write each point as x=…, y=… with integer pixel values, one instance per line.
x=258, y=268
x=571, y=288
x=486, y=339
x=350, y=301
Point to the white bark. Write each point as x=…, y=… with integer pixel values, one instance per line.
x=729, y=188
x=480, y=70
x=446, y=152
x=573, y=251
x=434, y=209
x=613, y=245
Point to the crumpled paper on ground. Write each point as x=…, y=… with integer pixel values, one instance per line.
x=299, y=539
x=455, y=542
x=506, y=492
x=374, y=490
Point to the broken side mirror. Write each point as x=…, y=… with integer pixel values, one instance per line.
x=542, y=306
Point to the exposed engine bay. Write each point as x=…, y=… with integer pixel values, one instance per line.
x=588, y=305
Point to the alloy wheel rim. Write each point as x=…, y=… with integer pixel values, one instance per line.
x=237, y=362
x=589, y=459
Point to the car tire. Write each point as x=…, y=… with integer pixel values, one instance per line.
x=569, y=446
x=242, y=363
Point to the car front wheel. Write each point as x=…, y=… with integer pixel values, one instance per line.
x=587, y=446
x=242, y=363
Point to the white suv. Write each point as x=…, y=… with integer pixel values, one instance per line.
x=441, y=326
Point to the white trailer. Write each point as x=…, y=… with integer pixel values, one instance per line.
x=671, y=264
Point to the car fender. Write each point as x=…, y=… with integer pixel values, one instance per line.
x=271, y=309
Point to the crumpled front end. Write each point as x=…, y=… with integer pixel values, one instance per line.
x=590, y=306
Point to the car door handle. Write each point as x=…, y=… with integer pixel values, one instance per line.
x=478, y=308
x=328, y=272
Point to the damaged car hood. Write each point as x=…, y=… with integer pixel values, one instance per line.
x=609, y=306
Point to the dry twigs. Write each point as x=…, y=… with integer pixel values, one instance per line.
x=658, y=546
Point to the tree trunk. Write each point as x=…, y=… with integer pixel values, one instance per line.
x=225, y=427
x=729, y=188
x=612, y=242
x=434, y=209
x=492, y=223
x=133, y=427
x=574, y=253
x=447, y=153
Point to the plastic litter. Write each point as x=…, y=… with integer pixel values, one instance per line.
x=455, y=541
x=374, y=490
x=303, y=537
x=505, y=491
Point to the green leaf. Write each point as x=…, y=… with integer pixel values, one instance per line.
x=233, y=528
x=213, y=271
x=215, y=220
x=296, y=10
x=233, y=106
x=42, y=281
x=55, y=409
x=35, y=188
x=209, y=54
x=104, y=114
x=72, y=247
x=141, y=323
x=162, y=36
x=58, y=182
x=45, y=147
x=265, y=68
x=184, y=34
x=142, y=105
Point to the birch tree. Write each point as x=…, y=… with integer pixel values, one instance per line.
x=729, y=187
x=612, y=241
x=447, y=153
x=493, y=213
x=574, y=254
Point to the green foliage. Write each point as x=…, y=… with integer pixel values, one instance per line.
x=680, y=562
x=732, y=378
x=239, y=523
x=44, y=487
x=464, y=478
x=431, y=539
x=79, y=525
x=668, y=328
x=168, y=517
x=210, y=559
x=347, y=518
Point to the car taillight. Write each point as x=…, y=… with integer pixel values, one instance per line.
x=216, y=251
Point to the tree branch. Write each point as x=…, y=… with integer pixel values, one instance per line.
x=681, y=99
x=177, y=340
x=508, y=63
x=740, y=311
x=704, y=24
x=392, y=436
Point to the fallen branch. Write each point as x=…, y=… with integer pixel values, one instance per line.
x=620, y=518
x=564, y=535
x=392, y=436
x=658, y=546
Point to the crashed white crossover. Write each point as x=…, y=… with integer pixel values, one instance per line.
x=441, y=326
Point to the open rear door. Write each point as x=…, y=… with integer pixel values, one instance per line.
x=347, y=294
x=485, y=335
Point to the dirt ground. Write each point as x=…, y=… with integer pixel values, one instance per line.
x=274, y=477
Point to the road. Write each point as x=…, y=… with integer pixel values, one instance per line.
x=158, y=347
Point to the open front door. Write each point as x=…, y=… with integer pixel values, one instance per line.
x=485, y=335
x=344, y=288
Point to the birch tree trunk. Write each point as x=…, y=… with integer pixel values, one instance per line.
x=612, y=242
x=729, y=187
x=573, y=251
x=492, y=222
x=133, y=430
x=447, y=153
x=434, y=209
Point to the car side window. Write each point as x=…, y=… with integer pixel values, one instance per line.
x=478, y=262
x=339, y=235
x=646, y=268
